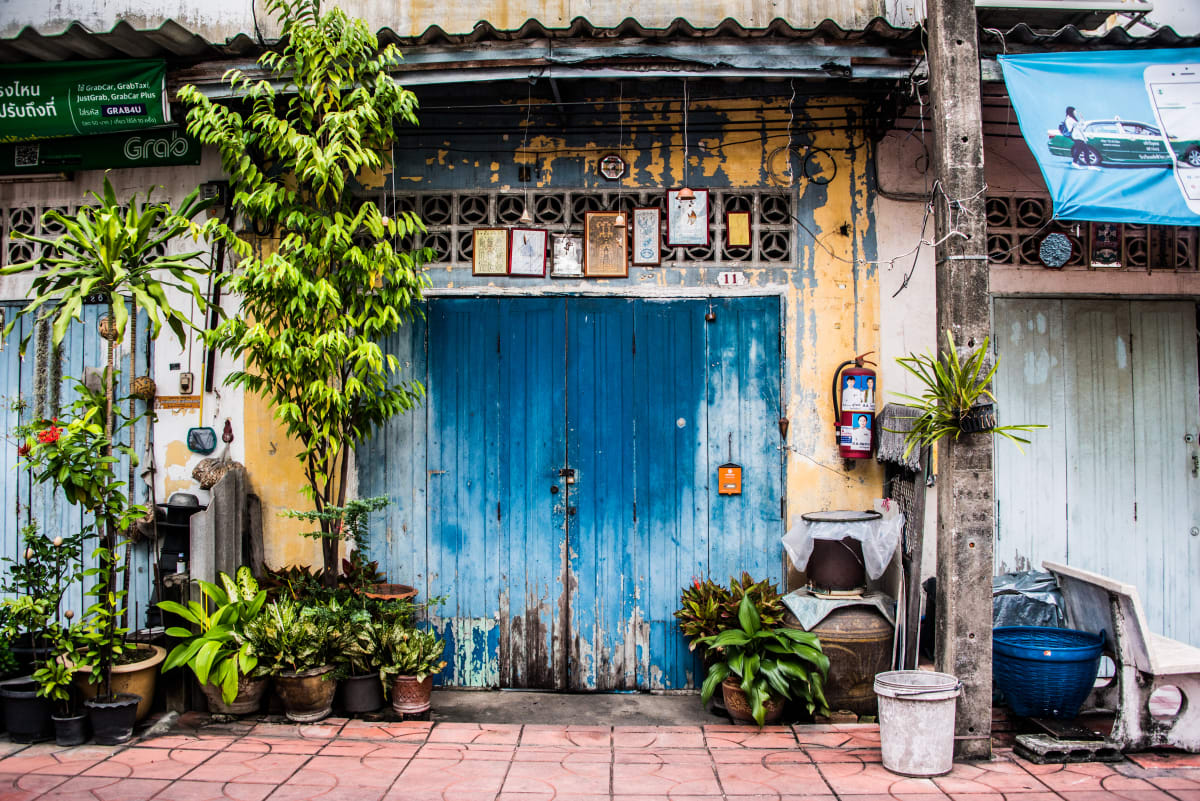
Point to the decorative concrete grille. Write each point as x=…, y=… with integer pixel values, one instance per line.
x=451, y=218
x=1017, y=224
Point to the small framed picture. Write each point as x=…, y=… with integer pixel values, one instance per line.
x=647, y=237
x=737, y=229
x=527, y=252
x=687, y=220
x=568, y=256
x=489, y=251
x=604, y=246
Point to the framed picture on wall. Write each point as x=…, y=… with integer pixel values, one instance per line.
x=568, y=256
x=647, y=237
x=527, y=252
x=687, y=219
x=604, y=246
x=737, y=229
x=489, y=251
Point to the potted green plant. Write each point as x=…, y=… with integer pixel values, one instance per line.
x=46, y=567
x=759, y=668
x=217, y=651
x=295, y=645
x=26, y=713
x=56, y=679
x=956, y=397
x=358, y=668
x=348, y=523
x=409, y=659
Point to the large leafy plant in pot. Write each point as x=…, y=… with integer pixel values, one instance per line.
x=339, y=279
x=297, y=645
x=409, y=659
x=217, y=650
x=758, y=668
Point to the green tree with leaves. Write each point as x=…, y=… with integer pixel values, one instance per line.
x=336, y=282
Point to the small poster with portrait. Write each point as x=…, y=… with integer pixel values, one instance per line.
x=858, y=393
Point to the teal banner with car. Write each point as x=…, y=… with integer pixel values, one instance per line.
x=81, y=98
x=1115, y=133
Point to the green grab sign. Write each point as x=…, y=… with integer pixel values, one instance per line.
x=80, y=98
x=153, y=148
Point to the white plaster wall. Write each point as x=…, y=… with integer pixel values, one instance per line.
x=173, y=461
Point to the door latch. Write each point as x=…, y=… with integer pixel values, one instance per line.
x=568, y=473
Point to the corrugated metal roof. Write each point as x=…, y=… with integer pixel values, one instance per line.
x=177, y=44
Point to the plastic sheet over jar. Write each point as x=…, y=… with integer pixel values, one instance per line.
x=878, y=531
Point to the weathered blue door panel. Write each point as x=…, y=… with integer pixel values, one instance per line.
x=464, y=423
x=393, y=463
x=743, y=401
x=673, y=481
x=568, y=580
x=531, y=614
x=602, y=542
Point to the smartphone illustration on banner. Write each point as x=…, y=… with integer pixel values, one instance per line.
x=1174, y=91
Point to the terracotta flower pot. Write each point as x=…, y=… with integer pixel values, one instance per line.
x=137, y=678
x=737, y=703
x=391, y=592
x=307, y=696
x=247, y=701
x=411, y=697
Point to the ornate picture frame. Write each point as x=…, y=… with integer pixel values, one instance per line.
x=604, y=246
x=489, y=251
x=647, y=237
x=527, y=252
x=687, y=220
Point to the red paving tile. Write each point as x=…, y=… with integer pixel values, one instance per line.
x=453, y=779
x=766, y=777
x=567, y=736
x=214, y=791
x=583, y=778
x=465, y=751
x=23, y=787
x=475, y=733
x=103, y=788
x=248, y=767
x=658, y=737
x=666, y=779
x=989, y=777
x=54, y=760
x=847, y=778
x=331, y=771
x=149, y=763
x=370, y=748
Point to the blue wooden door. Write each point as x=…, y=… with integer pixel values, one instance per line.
x=567, y=458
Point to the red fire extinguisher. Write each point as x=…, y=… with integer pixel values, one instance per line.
x=854, y=417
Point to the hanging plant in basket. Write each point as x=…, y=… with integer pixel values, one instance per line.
x=956, y=398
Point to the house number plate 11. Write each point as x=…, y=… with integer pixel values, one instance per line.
x=731, y=279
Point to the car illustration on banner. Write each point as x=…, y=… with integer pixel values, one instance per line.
x=1119, y=142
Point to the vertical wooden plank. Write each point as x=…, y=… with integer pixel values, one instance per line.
x=531, y=519
x=392, y=463
x=463, y=338
x=671, y=411
x=601, y=547
x=1166, y=421
x=1030, y=387
x=743, y=401
x=1100, y=497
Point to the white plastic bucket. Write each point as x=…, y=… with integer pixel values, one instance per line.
x=916, y=721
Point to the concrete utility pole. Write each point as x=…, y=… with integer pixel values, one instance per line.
x=966, y=517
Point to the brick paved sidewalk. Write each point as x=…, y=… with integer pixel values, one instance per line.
x=341, y=760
